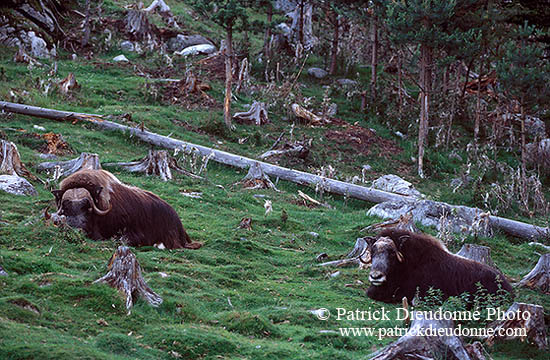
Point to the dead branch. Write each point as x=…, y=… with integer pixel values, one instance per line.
x=358, y=255
x=125, y=276
x=300, y=150
x=68, y=84
x=405, y=222
x=512, y=227
x=66, y=168
x=521, y=316
x=244, y=78
x=539, y=277
x=257, y=114
x=164, y=11
x=311, y=118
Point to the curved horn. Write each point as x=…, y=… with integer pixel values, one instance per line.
x=100, y=212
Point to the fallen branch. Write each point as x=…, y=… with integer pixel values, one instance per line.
x=405, y=222
x=297, y=149
x=358, y=255
x=125, y=275
x=511, y=227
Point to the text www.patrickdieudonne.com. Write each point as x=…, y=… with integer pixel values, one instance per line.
x=432, y=329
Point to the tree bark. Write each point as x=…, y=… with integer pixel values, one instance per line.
x=477, y=253
x=374, y=59
x=301, y=24
x=66, y=168
x=228, y=77
x=267, y=37
x=86, y=35
x=125, y=276
x=512, y=227
x=425, y=83
x=539, y=277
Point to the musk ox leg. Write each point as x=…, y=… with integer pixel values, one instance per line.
x=125, y=275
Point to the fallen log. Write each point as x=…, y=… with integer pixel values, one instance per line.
x=512, y=227
x=125, y=276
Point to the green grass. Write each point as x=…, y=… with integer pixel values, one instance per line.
x=244, y=294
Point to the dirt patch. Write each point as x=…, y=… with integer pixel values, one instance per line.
x=363, y=140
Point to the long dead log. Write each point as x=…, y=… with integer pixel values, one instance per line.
x=511, y=227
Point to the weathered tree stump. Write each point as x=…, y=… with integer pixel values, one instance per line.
x=125, y=275
x=528, y=318
x=257, y=179
x=257, y=114
x=405, y=222
x=244, y=78
x=539, y=277
x=138, y=25
x=164, y=11
x=359, y=255
x=12, y=171
x=420, y=343
x=477, y=253
x=155, y=163
x=311, y=118
x=84, y=161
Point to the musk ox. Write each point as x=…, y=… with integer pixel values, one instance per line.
x=97, y=202
x=403, y=262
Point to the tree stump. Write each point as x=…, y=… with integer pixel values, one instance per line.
x=359, y=255
x=138, y=25
x=257, y=179
x=413, y=346
x=539, y=277
x=12, y=171
x=125, y=275
x=477, y=253
x=257, y=114
x=164, y=11
x=311, y=118
x=405, y=222
x=155, y=163
x=84, y=161
x=68, y=84
x=528, y=317
x=244, y=78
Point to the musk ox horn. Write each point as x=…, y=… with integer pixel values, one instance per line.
x=46, y=215
x=100, y=212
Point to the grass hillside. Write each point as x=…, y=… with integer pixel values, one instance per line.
x=246, y=294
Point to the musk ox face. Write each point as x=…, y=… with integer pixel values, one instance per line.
x=385, y=258
x=74, y=208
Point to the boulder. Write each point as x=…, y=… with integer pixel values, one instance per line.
x=127, y=46
x=317, y=72
x=181, y=42
x=14, y=184
x=459, y=219
x=206, y=49
x=394, y=184
x=347, y=82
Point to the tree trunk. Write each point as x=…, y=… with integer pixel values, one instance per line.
x=539, y=277
x=125, y=276
x=521, y=316
x=267, y=37
x=523, y=150
x=477, y=253
x=301, y=24
x=512, y=227
x=228, y=78
x=374, y=58
x=478, y=107
x=86, y=35
x=425, y=83
x=399, y=81
x=335, y=39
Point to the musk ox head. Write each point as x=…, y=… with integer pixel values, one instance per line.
x=74, y=207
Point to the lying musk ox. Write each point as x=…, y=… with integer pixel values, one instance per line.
x=97, y=202
x=403, y=262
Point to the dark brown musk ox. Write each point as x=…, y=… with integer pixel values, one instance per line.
x=97, y=202
x=403, y=263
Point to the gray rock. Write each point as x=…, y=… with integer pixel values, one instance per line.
x=120, y=58
x=394, y=184
x=181, y=42
x=332, y=109
x=284, y=28
x=16, y=185
x=317, y=72
x=314, y=234
x=347, y=82
x=459, y=219
x=127, y=46
x=197, y=50
x=3, y=272
x=39, y=49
